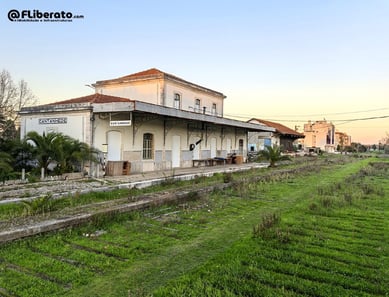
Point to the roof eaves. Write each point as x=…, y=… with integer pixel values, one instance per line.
x=188, y=115
x=153, y=73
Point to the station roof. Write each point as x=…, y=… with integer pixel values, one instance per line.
x=279, y=128
x=99, y=103
x=153, y=73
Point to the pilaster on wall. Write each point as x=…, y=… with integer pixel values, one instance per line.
x=168, y=125
x=194, y=129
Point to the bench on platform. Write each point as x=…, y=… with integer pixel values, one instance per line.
x=205, y=162
x=209, y=162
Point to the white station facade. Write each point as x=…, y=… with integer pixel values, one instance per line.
x=150, y=119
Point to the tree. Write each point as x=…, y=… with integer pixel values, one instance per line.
x=384, y=144
x=357, y=147
x=73, y=155
x=22, y=153
x=5, y=165
x=46, y=147
x=273, y=155
x=67, y=153
x=13, y=97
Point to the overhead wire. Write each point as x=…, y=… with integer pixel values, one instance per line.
x=328, y=115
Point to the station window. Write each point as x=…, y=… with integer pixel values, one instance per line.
x=177, y=101
x=197, y=105
x=148, y=146
x=213, y=111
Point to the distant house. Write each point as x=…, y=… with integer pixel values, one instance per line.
x=150, y=119
x=282, y=136
x=342, y=140
x=319, y=135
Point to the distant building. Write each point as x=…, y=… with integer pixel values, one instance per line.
x=282, y=136
x=342, y=140
x=319, y=135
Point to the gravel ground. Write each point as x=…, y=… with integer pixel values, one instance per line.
x=16, y=192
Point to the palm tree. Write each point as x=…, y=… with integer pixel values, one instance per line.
x=5, y=165
x=69, y=153
x=47, y=147
x=22, y=153
x=74, y=154
x=273, y=155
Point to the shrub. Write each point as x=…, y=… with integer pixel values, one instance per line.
x=313, y=206
x=227, y=177
x=38, y=205
x=327, y=202
x=267, y=222
x=199, y=179
x=169, y=180
x=348, y=197
x=367, y=189
x=193, y=195
x=282, y=236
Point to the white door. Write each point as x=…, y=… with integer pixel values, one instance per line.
x=213, y=147
x=176, y=151
x=196, y=151
x=228, y=148
x=114, y=146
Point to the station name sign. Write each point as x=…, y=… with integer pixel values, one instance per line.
x=120, y=123
x=53, y=121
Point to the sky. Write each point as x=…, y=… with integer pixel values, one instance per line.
x=287, y=61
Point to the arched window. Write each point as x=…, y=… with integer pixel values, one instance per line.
x=148, y=146
x=213, y=111
x=177, y=101
x=197, y=105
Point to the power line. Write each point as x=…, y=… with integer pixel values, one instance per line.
x=364, y=119
x=309, y=115
x=331, y=120
x=341, y=113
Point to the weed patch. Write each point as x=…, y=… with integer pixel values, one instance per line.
x=265, y=228
x=39, y=205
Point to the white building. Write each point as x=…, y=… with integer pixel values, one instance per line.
x=342, y=140
x=319, y=135
x=156, y=87
x=151, y=119
x=283, y=136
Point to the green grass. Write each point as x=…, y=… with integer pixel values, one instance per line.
x=322, y=258
x=206, y=247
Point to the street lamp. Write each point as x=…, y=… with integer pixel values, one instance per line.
x=90, y=86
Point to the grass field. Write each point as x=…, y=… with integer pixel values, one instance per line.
x=319, y=234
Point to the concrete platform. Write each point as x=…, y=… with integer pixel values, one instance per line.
x=142, y=180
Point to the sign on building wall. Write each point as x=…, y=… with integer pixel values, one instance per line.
x=120, y=123
x=46, y=121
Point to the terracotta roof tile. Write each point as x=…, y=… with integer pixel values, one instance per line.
x=279, y=128
x=151, y=73
x=148, y=72
x=94, y=98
